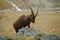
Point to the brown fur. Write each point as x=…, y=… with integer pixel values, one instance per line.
x=24, y=21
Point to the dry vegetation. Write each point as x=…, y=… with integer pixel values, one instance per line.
x=22, y=38
x=5, y=5
x=47, y=22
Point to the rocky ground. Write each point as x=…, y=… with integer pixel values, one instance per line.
x=30, y=34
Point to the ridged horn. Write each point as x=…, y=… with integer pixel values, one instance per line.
x=36, y=13
x=31, y=10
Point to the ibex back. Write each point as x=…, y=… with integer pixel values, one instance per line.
x=24, y=20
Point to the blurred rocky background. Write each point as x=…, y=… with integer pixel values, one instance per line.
x=30, y=34
x=48, y=19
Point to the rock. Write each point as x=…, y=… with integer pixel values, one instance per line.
x=47, y=36
x=50, y=37
x=30, y=34
x=2, y=38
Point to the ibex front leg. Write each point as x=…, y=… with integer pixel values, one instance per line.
x=29, y=26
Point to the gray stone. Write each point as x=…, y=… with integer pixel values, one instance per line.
x=26, y=32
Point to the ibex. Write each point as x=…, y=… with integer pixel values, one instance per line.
x=25, y=20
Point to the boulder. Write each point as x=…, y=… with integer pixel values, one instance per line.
x=30, y=34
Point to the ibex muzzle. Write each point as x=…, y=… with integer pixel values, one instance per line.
x=24, y=20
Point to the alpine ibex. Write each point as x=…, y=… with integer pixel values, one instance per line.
x=24, y=20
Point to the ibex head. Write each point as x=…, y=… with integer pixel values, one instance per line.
x=32, y=15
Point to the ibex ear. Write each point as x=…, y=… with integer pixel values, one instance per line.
x=36, y=13
x=31, y=11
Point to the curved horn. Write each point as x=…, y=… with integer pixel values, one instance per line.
x=31, y=10
x=36, y=13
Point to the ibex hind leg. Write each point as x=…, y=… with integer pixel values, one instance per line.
x=16, y=30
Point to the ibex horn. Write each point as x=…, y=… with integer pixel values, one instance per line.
x=36, y=12
x=31, y=10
